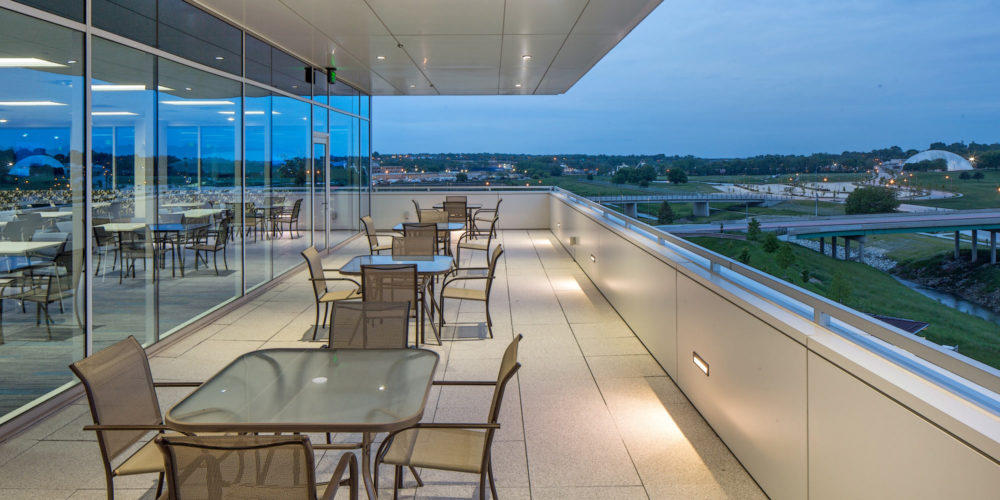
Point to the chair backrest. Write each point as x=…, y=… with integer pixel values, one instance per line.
x=390, y=283
x=461, y=198
x=432, y=216
x=455, y=211
x=315, y=266
x=494, y=258
x=259, y=467
x=423, y=245
x=14, y=230
x=222, y=234
x=508, y=366
x=369, y=325
x=120, y=390
x=295, y=208
x=370, y=231
x=416, y=206
x=422, y=229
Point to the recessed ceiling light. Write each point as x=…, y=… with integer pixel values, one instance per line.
x=518, y=85
x=380, y=58
x=229, y=112
x=199, y=103
x=219, y=58
x=71, y=61
x=28, y=62
x=254, y=112
x=114, y=113
x=187, y=88
x=165, y=89
x=116, y=88
x=3, y=120
x=526, y=57
x=231, y=119
x=412, y=85
x=31, y=103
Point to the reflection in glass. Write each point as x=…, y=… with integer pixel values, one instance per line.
x=248, y=217
x=365, y=168
x=188, y=31
x=124, y=99
x=289, y=181
x=135, y=19
x=344, y=97
x=199, y=173
x=41, y=204
x=343, y=177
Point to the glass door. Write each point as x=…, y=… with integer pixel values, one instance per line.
x=320, y=193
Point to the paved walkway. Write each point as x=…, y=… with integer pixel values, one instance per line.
x=589, y=416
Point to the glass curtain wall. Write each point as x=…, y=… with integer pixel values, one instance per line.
x=193, y=172
x=42, y=234
x=199, y=175
x=123, y=138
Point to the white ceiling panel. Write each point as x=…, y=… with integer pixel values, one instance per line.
x=541, y=17
x=461, y=46
x=440, y=17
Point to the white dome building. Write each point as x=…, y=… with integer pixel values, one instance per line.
x=955, y=162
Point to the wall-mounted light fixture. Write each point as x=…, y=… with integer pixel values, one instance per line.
x=699, y=362
x=592, y=258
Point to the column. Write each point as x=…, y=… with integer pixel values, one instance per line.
x=822, y=245
x=993, y=247
x=956, y=245
x=847, y=248
x=833, y=247
x=975, y=245
x=861, y=248
x=629, y=209
x=701, y=209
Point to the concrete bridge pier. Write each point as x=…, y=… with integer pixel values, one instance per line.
x=630, y=209
x=701, y=209
x=822, y=246
x=975, y=245
x=847, y=248
x=957, y=241
x=833, y=247
x=993, y=247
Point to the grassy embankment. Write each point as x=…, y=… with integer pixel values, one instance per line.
x=976, y=194
x=874, y=292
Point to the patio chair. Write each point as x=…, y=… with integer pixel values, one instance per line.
x=373, y=244
x=421, y=230
x=416, y=207
x=429, y=215
x=259, y=467
x=420, y=246
x=394, y=283
x=467, y=241
x=218, y=244
x=369, y=325
x=123, y=403
x=456, y=211
x=458, y=447
x=135, y=245
x=451, y=290
x=289, y=218
x=487, y=214
x=103, y=242
x=455, y=197
x=325, y=296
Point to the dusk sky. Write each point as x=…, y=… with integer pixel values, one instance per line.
x=727, y=78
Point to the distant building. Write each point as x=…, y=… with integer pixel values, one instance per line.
x=955, y=162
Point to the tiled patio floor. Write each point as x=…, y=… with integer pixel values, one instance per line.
x=589, y=416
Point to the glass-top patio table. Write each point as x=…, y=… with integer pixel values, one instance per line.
x=312, y=390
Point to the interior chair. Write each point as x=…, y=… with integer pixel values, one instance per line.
x=212, y=245
x=253, y=220
x=123, y=403
x=289, y=218
x=450, y=289
x=321, y=286
x=52, y=282
x=394, y=283
x=469, y=242
x=463, y=447
x=369, y=325
x=104, y=241
x=373, y=244
x=259, y=467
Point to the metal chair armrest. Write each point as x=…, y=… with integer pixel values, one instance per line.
x=125, y=427
x=465, y=382
x=177, y=384
x=441, y=425
x=347, y=462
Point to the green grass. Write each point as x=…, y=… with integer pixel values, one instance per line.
x=768, y=179
x=875, y=292
x=975, y=194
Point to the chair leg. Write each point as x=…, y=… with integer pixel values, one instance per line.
x=416, y=476
x=489, y=319
x=215, y=262
x=493, y=486
x=159, y=486
x=395, y=483
x=316, y=325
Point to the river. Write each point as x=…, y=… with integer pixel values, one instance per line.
x=953, y=301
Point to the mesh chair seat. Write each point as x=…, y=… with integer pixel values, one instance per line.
x=381, y=246
x=370, y=325
x=146, y=460
x=335, y=295
x=459, y=450
x=475, y=245
x=464, y=293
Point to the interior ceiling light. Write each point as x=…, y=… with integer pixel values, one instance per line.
x=199, y=103
x=526, y=57
x=380, y=58
x=31, y=103
x=187, y=88
x=163, y=89
x=219, y=58
x=114, y=113
x=29, y=62
x=116, y=88
x=412, y=85
x=518, y=85
x=229, y=112
x=3, y=120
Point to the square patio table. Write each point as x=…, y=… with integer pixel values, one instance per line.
x=313, y=390
x=427, y=268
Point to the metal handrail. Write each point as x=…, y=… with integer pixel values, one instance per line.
x=823, y=310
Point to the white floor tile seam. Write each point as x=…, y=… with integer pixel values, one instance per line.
x=614, y=421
